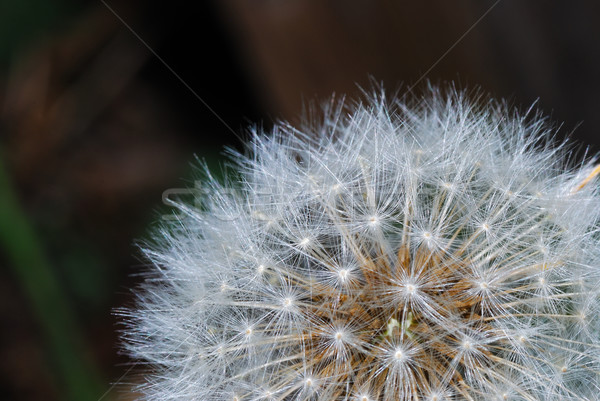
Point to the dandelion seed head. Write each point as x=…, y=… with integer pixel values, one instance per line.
x=408, y=250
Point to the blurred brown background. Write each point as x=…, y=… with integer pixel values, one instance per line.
x=94, y=127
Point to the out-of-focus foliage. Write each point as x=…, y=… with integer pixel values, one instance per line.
x=23, y=21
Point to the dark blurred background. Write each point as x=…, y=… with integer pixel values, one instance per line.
x=94, y=127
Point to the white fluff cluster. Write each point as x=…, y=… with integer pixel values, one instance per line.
x=436, y=250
